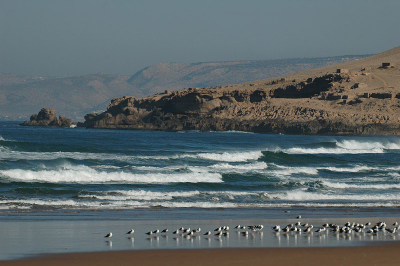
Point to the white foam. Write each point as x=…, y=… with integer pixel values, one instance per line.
x=348, y=147
x=231, y=156
x=301, y=195
x=84, y=174
x=367, y=145
x=288, y=171
x=141, y=195
x=330, y=151
x=223, y=157
x=354, y=169
x=251, y=166
x=123, y=204
x=360, y=186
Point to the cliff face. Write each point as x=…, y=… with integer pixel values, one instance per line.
x=363, y=99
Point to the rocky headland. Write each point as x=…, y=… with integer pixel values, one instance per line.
x=79, y=95
x=357, y=97
x=47, y=118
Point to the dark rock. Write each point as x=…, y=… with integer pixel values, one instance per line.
x=47, y=117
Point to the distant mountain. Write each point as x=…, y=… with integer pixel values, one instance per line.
x=73, y=97
x=176, y=76
x=69, y=96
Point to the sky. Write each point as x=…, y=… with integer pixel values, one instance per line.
x=79, y=37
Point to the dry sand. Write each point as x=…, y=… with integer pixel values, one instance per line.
x=371, y=255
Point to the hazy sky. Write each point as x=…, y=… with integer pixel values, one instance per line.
x=57, y=38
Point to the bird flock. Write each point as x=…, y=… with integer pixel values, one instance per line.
x=347, y=228
x=293, y=228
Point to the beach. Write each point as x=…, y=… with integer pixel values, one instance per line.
x=371, y=255
x=49, y=237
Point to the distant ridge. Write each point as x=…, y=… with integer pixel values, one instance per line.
x=176, y=76
x=73, y=97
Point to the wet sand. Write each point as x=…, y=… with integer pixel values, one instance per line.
x=370, y=255
x=83, y=241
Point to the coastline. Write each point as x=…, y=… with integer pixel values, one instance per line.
x=370, y=255
x=75, y=239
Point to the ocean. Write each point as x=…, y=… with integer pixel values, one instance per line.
x=63, y=189
x=45, y=169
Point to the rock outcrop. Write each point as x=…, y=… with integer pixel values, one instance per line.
x=321, y=101
x=47, y=117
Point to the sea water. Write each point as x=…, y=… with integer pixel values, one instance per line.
x=63, y=187
x=76, y=168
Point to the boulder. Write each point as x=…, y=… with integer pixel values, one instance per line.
x=47, y=117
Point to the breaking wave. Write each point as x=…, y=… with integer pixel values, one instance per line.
x=87, y=175
x=347, y=147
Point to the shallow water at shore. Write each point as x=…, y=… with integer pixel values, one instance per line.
x=30, y=234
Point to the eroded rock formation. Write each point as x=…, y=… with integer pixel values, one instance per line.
x=47, y=117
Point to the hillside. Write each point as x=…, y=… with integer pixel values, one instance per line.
x=357, y=97
x=176, y=76
x=73, y=97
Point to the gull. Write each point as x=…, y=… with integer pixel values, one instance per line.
x=149, y=233
x=219, y=233
x=358, y=229
x=130, y=232
x=305, y=225
x=190, y=233
x=176, y=232
x=276, y=227
x=108, y=235
x=307, y=230
x=298, y=217
x=237, y=226
x=368, y=224
x=207, y=233
x=381, y=224
x=321, y=230
x=370, y=231
x=195, y=231
x=156, y=231
x=391, y=230
x=396, y=224
x=164, y=231
x=297, y=224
